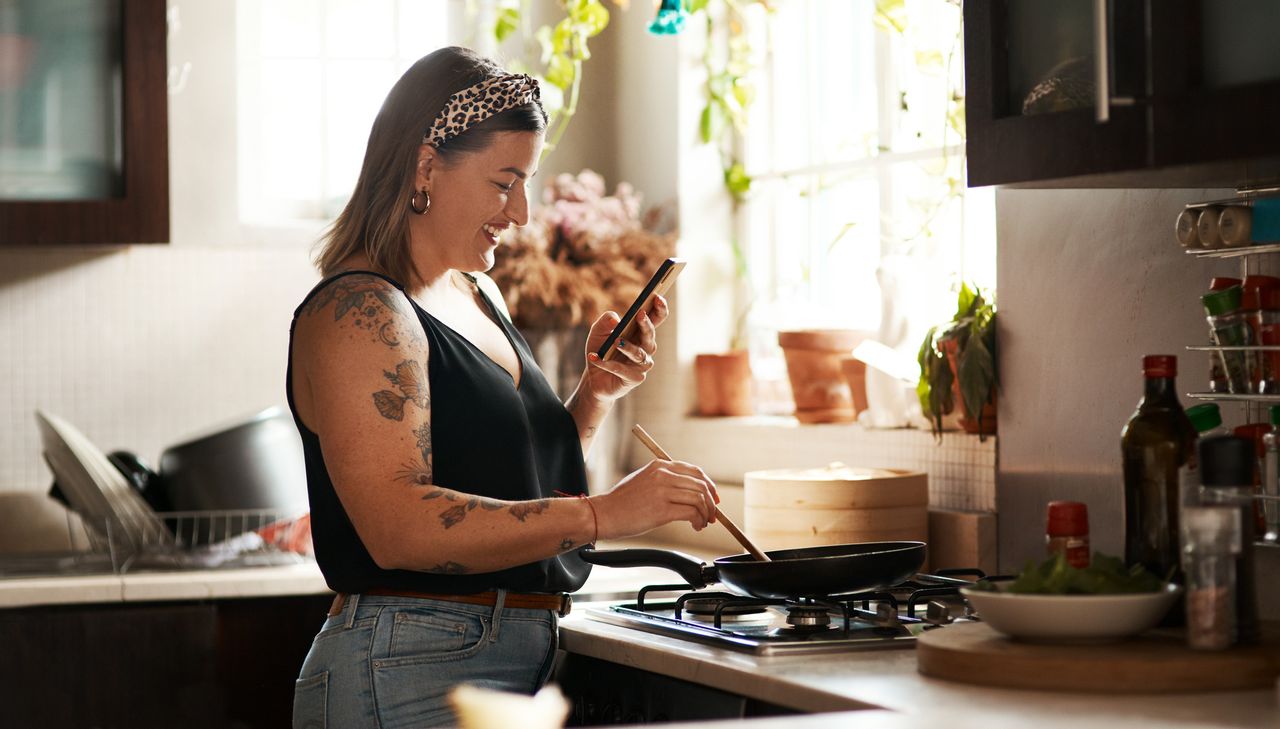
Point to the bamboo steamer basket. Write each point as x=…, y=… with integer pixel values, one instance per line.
x=808, y=507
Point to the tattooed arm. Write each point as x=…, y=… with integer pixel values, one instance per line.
x=360, y=383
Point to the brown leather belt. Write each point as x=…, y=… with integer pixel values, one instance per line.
x=560, y=603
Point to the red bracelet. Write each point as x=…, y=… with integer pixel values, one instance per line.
x=595, y=518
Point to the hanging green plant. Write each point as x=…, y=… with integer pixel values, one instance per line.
x=560, y=49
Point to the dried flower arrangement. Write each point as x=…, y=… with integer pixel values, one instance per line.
x=583, y=252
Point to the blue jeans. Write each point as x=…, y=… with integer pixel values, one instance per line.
x=391, y=661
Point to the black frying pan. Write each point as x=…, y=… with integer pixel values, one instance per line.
x=838, y=569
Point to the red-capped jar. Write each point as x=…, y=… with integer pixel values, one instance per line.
x=1067, y=531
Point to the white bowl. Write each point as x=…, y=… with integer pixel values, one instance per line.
x=1071, y=618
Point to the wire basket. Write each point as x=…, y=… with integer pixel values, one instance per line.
x=222, y=539
x=190, y=540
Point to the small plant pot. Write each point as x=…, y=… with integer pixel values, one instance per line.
x=724, y=383
x=968, y=422
x=818, y=383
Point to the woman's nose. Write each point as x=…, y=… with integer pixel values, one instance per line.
x=518, y=206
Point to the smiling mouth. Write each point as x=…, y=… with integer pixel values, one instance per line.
x=492, y=232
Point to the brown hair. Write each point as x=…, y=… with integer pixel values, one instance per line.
x=375, y=220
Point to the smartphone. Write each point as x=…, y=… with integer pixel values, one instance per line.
x=661, y=281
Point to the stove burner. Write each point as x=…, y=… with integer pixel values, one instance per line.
x=808, y=617
x=706, y=607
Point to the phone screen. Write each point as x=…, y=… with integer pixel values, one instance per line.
x=659, y=284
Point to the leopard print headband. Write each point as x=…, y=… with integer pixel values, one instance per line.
x=474, y=104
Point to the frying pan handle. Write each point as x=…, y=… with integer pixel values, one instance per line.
x=693, y=571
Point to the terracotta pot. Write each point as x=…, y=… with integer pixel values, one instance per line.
x=818, y=384
x=855, y=373
x=967, y=422
x=724, y=383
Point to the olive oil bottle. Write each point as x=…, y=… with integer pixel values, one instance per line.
x=1158, y=448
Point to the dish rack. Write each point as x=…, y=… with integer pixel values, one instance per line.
x=192, y=540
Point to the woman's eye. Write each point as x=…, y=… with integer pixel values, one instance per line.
x=505, y=188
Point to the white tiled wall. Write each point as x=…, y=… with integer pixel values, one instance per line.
x=139, y=346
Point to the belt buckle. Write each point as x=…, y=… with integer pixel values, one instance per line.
x=566, y=604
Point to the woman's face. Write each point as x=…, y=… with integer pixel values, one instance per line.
x=475, y=197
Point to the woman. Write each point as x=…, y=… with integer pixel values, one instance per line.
x=437, y=454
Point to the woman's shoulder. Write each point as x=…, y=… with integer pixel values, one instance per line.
x=349, y=312
x=350, y=289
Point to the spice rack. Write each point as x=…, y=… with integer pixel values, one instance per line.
x=1255, y=403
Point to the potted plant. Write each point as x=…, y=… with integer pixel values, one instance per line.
x=958, y=364
x=723, y=379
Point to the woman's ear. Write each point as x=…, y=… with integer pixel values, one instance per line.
x=428, y=162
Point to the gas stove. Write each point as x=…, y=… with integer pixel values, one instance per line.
x=891, y=618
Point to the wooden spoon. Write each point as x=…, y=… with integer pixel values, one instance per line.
x=657, y=451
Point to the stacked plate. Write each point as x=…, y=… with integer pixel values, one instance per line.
x=97, y=490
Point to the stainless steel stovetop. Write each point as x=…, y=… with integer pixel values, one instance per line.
x=887, y=619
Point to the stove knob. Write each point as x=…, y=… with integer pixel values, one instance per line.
x=887, y=616
x=937, y=613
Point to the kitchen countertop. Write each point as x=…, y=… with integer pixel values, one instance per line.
x=887, y=679
x=274, y=581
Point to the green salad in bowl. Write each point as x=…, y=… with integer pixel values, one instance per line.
x=1105, y=575
x=1055, y=602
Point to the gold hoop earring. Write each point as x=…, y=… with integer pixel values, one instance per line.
x=426, y=201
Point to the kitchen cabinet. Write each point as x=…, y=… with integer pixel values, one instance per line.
x=207, y=664
x=1121, y=93
x=83, y=122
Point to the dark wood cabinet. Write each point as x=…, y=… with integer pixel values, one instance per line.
x=84, y=146
x=205, y=665
x=1190, y=90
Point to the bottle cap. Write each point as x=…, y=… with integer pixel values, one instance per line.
x=1269, y=299
x=1253, y=288
x=1205, y=416
x=1066, y=518
x=1218, y=283
x=1234, y=225
x=1185, y=230
x=1211, y=528
x=1207, y=226
x=1275, y=414
x=1221, y=302
x=1160, y=365
x=1227, y=460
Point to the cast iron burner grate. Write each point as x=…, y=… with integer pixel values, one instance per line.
x=871, y=619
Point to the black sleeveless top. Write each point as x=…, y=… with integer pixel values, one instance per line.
x=488, y=437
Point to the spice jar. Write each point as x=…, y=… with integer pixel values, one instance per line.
x=1210, y=545
x=1207, y=226
x=1067, y=531
x=1217, y=377
x=1228, y=465
x=1227, y=328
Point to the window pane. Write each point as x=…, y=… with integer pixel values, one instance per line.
x=355, y=92
x=423, y=27
x=360, y=29
x=291, y=28
x=290, y=163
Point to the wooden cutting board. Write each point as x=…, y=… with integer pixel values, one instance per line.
x=1151, y=663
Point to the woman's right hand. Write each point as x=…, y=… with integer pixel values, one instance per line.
x=659, y=493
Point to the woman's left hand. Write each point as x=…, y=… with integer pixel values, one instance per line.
x=610, y=380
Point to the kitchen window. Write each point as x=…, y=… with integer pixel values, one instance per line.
x=858, y=215
x=312, y=76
